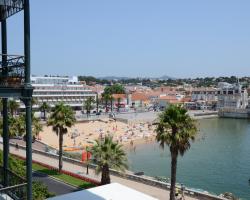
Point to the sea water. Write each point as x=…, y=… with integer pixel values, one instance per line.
x=217, y=162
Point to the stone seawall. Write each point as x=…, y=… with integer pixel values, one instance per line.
x=234, y=113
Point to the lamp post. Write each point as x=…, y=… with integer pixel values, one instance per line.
x=87, y=160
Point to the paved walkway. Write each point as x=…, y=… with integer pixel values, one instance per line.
x=54, y=186
x=158, y=193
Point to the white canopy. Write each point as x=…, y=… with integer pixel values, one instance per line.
x=113, y=191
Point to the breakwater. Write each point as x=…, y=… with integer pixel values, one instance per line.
x=234, y=113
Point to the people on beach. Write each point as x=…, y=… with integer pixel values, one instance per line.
x=182, y=192
x=177, y=192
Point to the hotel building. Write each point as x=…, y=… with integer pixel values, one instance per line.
x=53, y=90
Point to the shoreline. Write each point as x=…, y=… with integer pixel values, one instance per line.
x=84, y=134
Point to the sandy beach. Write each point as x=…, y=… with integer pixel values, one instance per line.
x=84, y=134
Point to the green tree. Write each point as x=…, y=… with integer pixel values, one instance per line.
x=13, y=106
x=111, y=98
x=108, y=154
x=175, y=129
x=36, y=126
x=17, y=126
x=105, y=99
x=34, y=101
x=118, y=104
x=97, y=103
x=39, y=190
x=62, y=118
x=45, y=107
x=114, y=89
x=88, y=104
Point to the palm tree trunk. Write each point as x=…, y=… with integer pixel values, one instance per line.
x=106, y=106
x=44, y=114
x=105, y=175
x=111, y=102
x=97, y=104
x=173, y=174
x=60, y=151
x=118, y=105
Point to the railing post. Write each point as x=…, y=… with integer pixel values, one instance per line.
x=27, y=41
x=28, y=98
x=5, y=106
x=28, y=122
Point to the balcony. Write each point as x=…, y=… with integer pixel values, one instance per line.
x=12, y=72
x=12, y=76
x=16, y=186
x=9, y=8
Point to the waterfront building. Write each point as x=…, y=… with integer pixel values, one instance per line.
x=120, y=100
x=165, y=101
x=232, y=96
x=138, y=100
x=205, y=98
x=204, y=94
x=52, y=90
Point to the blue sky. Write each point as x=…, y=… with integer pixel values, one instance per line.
x=137, y=37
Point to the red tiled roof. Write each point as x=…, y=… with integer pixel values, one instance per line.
x=168, y=97
x=121, y=96
x=139, y=96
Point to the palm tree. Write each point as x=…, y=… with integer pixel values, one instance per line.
x=16, y=127
x=97, y=103
x=62, y=118
x=44, y=108
x=108, y=154
x=105, y=98
x=13, y=106
x=118, y=104
x=36, y=126
x=88, y=104
x=175, y=129
x=111, y=98
x=34, y=101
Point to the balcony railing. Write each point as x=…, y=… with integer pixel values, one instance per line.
x=9, y=8
x=12, y=71
x=16, y=186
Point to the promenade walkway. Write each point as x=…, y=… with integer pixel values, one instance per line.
x=159, y=193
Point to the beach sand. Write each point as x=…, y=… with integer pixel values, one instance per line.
x=83, y=134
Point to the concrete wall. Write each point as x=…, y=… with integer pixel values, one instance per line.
x=234, y=113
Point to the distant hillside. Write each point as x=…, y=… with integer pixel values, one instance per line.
x=128, y=78
x=110, y=78
x=166, y=78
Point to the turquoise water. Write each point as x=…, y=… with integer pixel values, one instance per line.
x=218, y=161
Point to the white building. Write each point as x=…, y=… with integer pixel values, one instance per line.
x=203, y=98
x=204, y=94
x=60, y=89
x=232, y=96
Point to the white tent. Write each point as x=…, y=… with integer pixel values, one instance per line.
x=113, y=191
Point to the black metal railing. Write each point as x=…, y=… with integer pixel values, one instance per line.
x=9, y=8
x=16, y=188
x=16, y=192
x=12, y=71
